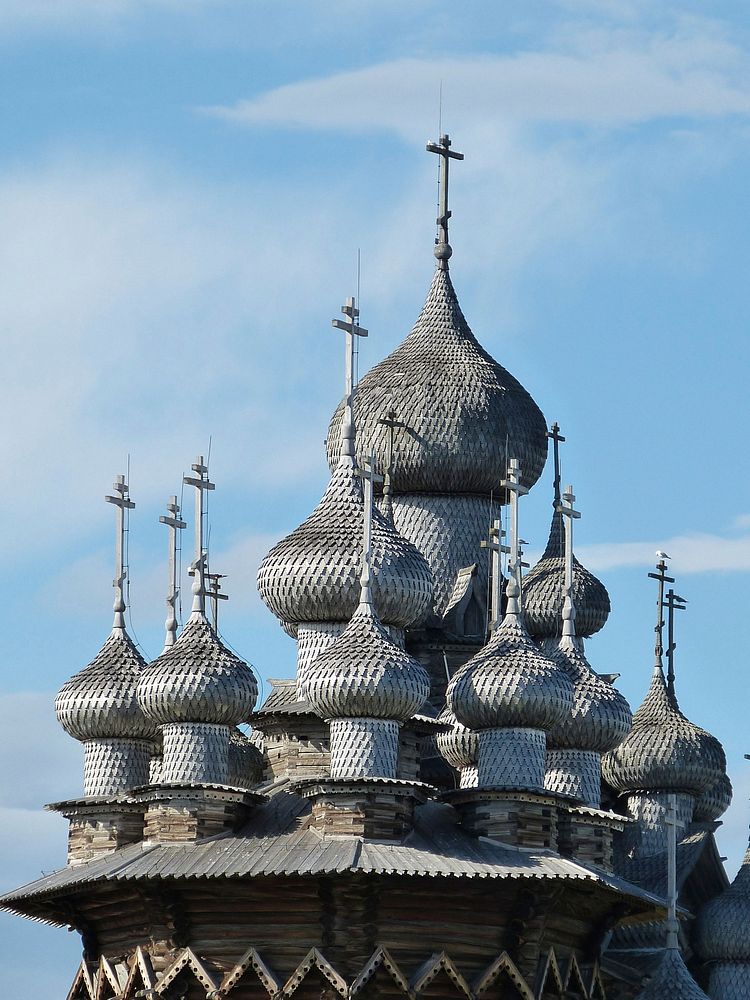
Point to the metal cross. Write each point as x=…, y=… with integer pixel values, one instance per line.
x=352, y=330
x=215, y=595
x=673, y=603
x=198, y=566
x=369, y=477
x=389, y=420
x=442, y=246
x=513, y=485
x=661, y=576
x=173, y=522
x=565, y=507
x=671, y=823
x=122, y=502
x=494, y=544
x=557, y=438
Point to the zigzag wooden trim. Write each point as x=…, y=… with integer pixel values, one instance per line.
x=380, y=958
x=82, y=981
x=439, y=962
x=141, y=968
x=574, y=979
x=106, y=977
x=314, y=958
x=251, y=960
x=596, y=986
x=187, y=960
x=503, y=965
x=547, y=968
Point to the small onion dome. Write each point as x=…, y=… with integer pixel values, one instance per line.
x=312, y=575
x=458, y=745
x=544, y=593
x=100, y=701
x=664, y=751
x=462, y=413
x=672, y=981
x=601, y=717
x=714, y=802
x=364, y=674
x=510, y=683
x=198, y=680
x=723, y=927
x=245, y=760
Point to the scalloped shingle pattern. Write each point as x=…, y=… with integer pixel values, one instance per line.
x=100, y=700
x=543, y=592
x=458, y=405
x=458, y=745
x=729, y=981
x=512, y=758
x=575, y=773
x=723, y=927
x=195, y=752
x=664, y=750
x=198, y=680
x=714, y=802
x=245, y=762
x=510, y=683
x=312, y=575
x=364, y=748
x=672, y=981
x=600, y=718
x=365, y=674
x=111, y=766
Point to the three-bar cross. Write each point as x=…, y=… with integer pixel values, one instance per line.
x=352, y=330
x=661, y=576
x=175, y=524
x=443, y=149
x=198, y=566
x=122, y=502
x=369, y=477
x=494, y=544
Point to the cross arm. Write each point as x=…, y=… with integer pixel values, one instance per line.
x=340, y=324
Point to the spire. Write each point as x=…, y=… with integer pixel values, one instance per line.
x=661, y=576
x=673, y=603
x=557, y=438
x=672, y=924
x=121, y=501
x=198, y=566
x=565, y=507
x=173, y=522
x=369, y=477
x=352, y=330
x=494, y=544
x=513, y=590
x=443, y=249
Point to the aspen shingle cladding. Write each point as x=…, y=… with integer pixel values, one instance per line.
x=458, y=407
x=723, y=929
x=672, y=981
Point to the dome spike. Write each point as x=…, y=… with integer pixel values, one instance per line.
x=175, y=524
x=565, y=507
x=351, y=330
x=673, y=603
x=554, y=434
x=662, y=578
x=121, y=501
x=198, y=566
x=443, y=249
x=513, y=590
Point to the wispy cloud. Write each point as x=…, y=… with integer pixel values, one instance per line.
x=690, y=553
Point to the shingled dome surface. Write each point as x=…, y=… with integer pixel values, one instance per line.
x=463, y=415
x=672, y=981
x=99, y=702
x=723, y=931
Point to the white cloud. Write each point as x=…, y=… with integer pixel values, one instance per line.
x=690, y=553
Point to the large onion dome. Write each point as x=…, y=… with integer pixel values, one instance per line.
x=365, y=674
x=510, y=683
x=672, y=981
x=723, y=928
x=197, y=680
x=461, y=414
x=543, y=591
x=99, y=702
x=601, y=717
x=312, y=575
x=714, y=802
x=664, y=751
x=457, y=745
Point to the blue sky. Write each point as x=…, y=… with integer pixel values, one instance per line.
x=183, y=190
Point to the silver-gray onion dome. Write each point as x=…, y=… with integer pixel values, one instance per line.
x=198, y=680
x=664, y=751
x=364, y=674
x=460, y=413
x=510, y=683
x=714, y=802
x=723, y=926
x=543, y=592
x=600, y=718
x=99, y=702
x=458, y=745
x=312, y=575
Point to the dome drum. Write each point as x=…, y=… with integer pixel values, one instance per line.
x=112, y=766
x=576, y=774
x=512, y=758
x=364, y=748
x=195, y=753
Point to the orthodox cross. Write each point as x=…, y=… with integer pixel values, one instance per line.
x=557, y=438
x=214, y=594
x=661, y=576
x=565, y=507
x=671, y=822
x=494, y=544
x=198, y=566
x=173, y=522
x=352, y=330
x=513, y=485
x=389, y=420
x=442, y=246
x=122, y=502
x=369, y=477
x=673, y=603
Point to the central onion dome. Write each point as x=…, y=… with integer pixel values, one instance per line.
x=664, y=751
x=461, y=414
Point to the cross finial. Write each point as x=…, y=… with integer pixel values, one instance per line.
x=443, y=249
x=173, y=522
x=122, y=502
x=214, y=595
x=671, y=822
x=369, y=477
x=557, y=438
x=198, y=566
x=565, y=507
x=494, y=543
x=673, y=603
x=661, y=576
x=352, y=330
x=513, y=590
x=390, y=421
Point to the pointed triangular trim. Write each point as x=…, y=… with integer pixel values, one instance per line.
x=502, y=966
x=314, y=958
x=106, y=977
x=435, y=964
x=186, y=960
x=574, y=979
x=596, y=985
x=142, y=969
x=549, y=967
x=251, y=960
x=83, y=982
x=381, y=958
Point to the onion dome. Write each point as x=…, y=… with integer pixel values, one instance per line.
x=100, y=701
x=365, y=674
x=664, y=751
x=672, y=981
x=543, y=591
x=197, y=680
x=723, y=928
x=601, y=717
x=457, y=745
x=461, y=412
x=714, y=802
x=312, y=575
